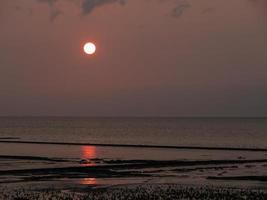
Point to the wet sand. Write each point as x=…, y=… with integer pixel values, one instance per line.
x=94, y=172
x=83, y=158
x=125, y=169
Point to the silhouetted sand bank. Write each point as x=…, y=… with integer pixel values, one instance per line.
x=31, y=158
x=134, y=164
x=243, y=178
x=137, y=146
x=137, y=192
x=9, y=138
x=118, y=168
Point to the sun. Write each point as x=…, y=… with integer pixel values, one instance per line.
x=89, y=48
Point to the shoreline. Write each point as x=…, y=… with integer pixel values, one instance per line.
x=129, y=169
x=137, y=146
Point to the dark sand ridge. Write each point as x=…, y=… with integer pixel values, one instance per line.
x=137, y=145
x=238, y=178
x=9, y=138
x=116, y=168
x=36, y=158
x=122, y=169
x=127, y=164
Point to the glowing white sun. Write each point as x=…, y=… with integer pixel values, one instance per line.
x=89, y=48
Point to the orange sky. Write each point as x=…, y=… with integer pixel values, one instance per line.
x=159, y=58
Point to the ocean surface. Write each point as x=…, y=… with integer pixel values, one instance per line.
x=204, y=132
x=109, y=151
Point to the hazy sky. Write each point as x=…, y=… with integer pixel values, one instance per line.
x=154, y=57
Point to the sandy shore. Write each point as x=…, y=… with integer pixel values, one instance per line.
x=127, y=168
x=136, y=192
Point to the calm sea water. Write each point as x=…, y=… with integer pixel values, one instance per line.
x=221, y=132
x=151, y=131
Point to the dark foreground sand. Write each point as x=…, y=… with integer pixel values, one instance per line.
x=138, y=192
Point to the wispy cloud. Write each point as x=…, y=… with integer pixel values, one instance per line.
x=89, y=5
x=54, y=12
x=50, y=2
x=180, y=9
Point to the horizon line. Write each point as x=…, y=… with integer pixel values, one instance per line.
x=129, y=116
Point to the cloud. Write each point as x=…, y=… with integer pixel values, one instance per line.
x=50, y=2
x=179, y=9
x=54, y=13
x=89, y=5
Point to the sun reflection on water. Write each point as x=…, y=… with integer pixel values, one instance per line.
x=87, y=153
x=88, y=181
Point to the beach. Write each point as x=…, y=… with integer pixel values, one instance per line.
x=139, y=192
x=94, y=169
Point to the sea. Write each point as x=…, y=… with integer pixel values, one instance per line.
x=155, y=149
x=204, y=132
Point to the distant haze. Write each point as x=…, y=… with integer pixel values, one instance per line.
x=154, y=58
